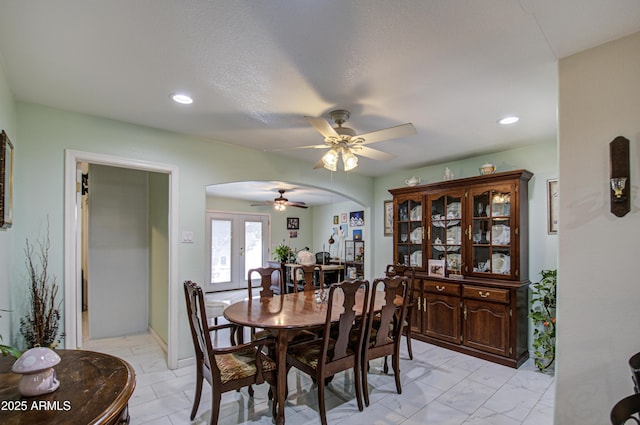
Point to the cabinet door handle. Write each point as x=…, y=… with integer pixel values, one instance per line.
x=484, y=295
x=440, y=288
x=465, y=312
x=469, y=233
x=428, y=233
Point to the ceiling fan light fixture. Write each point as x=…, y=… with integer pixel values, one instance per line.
x=330, y=160
x=279, y=206
x=350, y=160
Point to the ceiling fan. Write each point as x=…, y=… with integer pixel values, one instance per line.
x=280, y=203
x=344, y=141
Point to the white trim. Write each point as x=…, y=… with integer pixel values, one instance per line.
x=72, y=292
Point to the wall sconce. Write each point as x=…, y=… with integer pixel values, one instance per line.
x=620, y=185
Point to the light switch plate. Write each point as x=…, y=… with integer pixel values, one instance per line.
x=187, y=236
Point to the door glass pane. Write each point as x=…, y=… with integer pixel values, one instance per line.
x=220, y=251
x=253, y=245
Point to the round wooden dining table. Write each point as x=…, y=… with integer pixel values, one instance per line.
x=285, y=316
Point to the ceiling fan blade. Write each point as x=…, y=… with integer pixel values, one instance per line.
x=263, y=204
x=319, y=164
x=297, y=204
x=372, y=153
x=388, y=133
x=297, y=147
x=322, y=126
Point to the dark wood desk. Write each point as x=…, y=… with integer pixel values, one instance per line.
x=285, y=316
x=94, y=389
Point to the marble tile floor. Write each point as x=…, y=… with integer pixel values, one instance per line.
x=439, y=387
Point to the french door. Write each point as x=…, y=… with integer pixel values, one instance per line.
x=235, y=243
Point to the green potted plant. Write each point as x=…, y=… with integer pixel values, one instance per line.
x=543, y=315
x=282, y=253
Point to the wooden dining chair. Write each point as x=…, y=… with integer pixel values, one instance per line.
x=402, y=270
x=271, y=281
x=626, y=410
x=382, y=335
x=308, y=272
x=228, y=368
x=323, y=358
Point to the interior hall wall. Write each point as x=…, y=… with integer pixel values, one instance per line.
x=118, y=282
x=159, y=254
x=598, y=284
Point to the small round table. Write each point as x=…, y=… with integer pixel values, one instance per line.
x=94, y=389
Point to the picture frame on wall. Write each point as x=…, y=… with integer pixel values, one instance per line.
x=552, y=206
x=293, y=223
x=357, y=234
x=343, y=218
x=356, y=218
x=6, y=181
x=336, y=219
x=388, y=218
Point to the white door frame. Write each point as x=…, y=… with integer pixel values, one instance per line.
x=72, y=248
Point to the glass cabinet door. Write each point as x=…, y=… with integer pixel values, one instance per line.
x=491, y=231
x=445, y=233
x=409, y=233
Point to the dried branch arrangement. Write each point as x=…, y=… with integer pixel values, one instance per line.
x=40, y=326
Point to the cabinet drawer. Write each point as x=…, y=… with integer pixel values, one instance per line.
x=484, y=293
x=445, y=288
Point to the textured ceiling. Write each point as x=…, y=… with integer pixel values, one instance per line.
x=256, y=68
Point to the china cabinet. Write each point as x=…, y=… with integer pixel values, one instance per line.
x=477, y=229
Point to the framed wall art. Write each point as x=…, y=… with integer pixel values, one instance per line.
x=388, y=218
x=293, y=223
x=552, y=206
x=356, y=218
x=6, y=181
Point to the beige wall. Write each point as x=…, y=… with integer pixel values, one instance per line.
x=599, y=287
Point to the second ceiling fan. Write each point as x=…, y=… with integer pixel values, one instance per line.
x=343, y=141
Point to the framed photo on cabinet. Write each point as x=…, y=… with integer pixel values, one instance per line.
x=6, y=181
x=436, y=268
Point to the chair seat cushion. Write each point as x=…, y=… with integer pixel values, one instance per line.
x=241, y=364
x=309, y=353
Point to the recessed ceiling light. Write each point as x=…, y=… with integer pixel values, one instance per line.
x=182, y=98
x=508, y=120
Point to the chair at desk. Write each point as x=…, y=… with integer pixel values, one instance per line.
x=323, y=257
x=401, y=270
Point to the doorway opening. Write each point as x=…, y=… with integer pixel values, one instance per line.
x=73, y=245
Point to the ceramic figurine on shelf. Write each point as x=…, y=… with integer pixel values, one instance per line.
x=448, y=174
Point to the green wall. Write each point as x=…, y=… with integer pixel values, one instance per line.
x=45, y=133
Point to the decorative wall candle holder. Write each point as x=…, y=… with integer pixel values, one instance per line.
x=619, y=181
